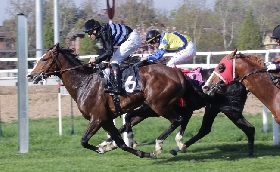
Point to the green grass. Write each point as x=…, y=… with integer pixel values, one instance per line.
x=224, y=149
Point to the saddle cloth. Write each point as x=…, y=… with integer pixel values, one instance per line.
x=194, y=74
x=131, y=81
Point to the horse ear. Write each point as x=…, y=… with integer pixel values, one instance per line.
x=56, y=47
x=231, y=56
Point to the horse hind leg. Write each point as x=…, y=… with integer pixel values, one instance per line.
x=207, y=121
x=159, y=141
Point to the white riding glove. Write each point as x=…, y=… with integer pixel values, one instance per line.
x=271, y=67
x=267, y=63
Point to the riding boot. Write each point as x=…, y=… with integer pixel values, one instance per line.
x=116, y=80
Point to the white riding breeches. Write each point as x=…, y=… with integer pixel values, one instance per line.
x=128, y=47
x=183, y=55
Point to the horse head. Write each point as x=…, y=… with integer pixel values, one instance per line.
x=234, y=68
x=222, y=75
x=53, y=63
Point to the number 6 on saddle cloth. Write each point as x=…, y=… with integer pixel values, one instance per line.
x=130, y=79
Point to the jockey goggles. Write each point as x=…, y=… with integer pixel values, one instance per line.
x=90, y=32
x=153, y=40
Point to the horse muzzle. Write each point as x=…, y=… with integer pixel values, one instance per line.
x=35, y=78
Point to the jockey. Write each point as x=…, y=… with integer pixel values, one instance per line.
x=113, y=35
x=275, y=65
x=174, y=42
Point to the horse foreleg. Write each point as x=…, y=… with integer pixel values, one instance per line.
x=116, y=136
x=132, y=118
x=92, y=128
x=246, y=127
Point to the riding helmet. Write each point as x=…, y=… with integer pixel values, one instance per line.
x=276, y=32
x=91, y=25
x=151, y=36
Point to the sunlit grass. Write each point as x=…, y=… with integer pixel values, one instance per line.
x=224, y=149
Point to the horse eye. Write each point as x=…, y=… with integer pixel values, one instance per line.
x=44, y=59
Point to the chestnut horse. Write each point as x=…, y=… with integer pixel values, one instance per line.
x=250, y=71
x=162, y=87
x=229, y=101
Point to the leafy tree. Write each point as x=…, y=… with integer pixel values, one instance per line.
x=133, y=13
x=210, y=41
x=227, y=15
x=249, y=36
x=89, y=9
x=80, y=24
x=87, y=46
x=48, y=34
x=190, y=19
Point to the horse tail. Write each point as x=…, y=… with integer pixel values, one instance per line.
x=193, y=93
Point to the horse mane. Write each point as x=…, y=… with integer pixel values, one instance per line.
x=256, y=58
x=74, y=59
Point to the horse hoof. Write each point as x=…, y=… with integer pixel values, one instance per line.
x=134, y=145
x=158, y=152
x=184, y=149
x=110, y=147
x=173, y=152
x=153, y=156
x=100, y=150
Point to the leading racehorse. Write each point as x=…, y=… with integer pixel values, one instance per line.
x=161, y=88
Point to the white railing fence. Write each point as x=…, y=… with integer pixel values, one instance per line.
x=268, y=54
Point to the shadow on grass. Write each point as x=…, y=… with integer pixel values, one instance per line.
x=230, y=152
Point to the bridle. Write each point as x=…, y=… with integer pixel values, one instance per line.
x=274, y=79
x=59, y=71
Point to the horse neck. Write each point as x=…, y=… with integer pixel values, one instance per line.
x=206, y=73
x=258, y=84
x=75, y=80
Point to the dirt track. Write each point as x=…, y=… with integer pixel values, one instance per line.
x=43, y=102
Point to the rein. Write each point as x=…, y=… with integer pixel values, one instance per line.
x=248, y=74
x=274, y=79
x=60, y=71
x=64, y=70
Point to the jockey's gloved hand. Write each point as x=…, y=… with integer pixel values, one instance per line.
x=267, y=63
x=271, y=67
x=103, y=66
x=91, y=62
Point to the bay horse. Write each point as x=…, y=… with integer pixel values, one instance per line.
x=161, y=87
x=229, y=101
x=251, y=72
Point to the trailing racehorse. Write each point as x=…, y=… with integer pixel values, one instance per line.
x=249, y=70
x=161, y=88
